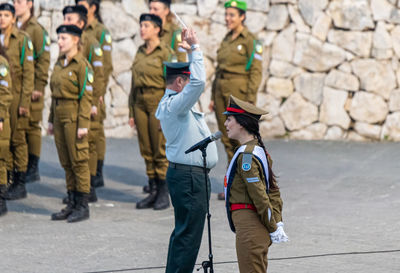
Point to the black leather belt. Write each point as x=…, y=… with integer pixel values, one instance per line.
x=185, y=167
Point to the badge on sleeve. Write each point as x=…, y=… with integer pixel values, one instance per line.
x=48, y=40
x=30, y=45
x=246, y=162
x=98, y=51
x=3, y=70
x=108, y=38
x=259, y=47
x=179, y=37
x=90, y=77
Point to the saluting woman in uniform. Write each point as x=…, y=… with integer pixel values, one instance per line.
x=253, y=201
x=27, y=22
x=239, y=69
x=19, y=50
x=5, y=101
x=71, y=93
x=96, y=28
x=148, y=86
x=171, y=34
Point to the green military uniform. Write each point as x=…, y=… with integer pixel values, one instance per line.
x=148, y=85
x=94, y=54
x=5, y=101
x=171, y=36
x=252, y=227
x=72, y=91
x=253, y=200
x=20, y=54
x=41, y=54
x=239, y=73
x=103, y=36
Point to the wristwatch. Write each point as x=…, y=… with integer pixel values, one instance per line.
x=194, y=46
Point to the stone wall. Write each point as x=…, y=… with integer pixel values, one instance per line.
x=331, y=68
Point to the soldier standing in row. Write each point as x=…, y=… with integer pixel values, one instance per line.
x=71, y=87
x=5, y=101
x=41, y=55
x=171, y=34
x=239, y=69
x=19, y=50
x=253, y=201
x=91, y=50
x=96, y=28
x=148, y=85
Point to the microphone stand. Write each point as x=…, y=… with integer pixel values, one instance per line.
x=207, y=264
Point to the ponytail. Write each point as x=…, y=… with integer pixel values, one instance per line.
x=252, y=126
x=273, y=183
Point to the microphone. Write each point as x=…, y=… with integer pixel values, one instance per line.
x=202, y=144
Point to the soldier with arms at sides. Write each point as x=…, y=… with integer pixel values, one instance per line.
x=71, y=104
x=19, y=50
x=27, y=22
x=96, y=28
x=148, y=85
x=5, y=101
x=253, y=200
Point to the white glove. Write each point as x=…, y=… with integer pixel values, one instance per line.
x=279, y=235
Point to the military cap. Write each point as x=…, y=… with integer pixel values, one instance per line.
x=75, y=9
x=177, y=68
x=152, y=18
x=240, y=107
x=166, y=2
x=236, y=4
x=9, y=7
x=70, y=29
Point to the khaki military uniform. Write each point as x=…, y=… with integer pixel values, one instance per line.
x=41, y=55
x=20, y=56
x=5, y=101
x=253, y=226
x=103, y=36
x=72, y=92
x=94, y=54
x=171, y=36
x=239, y=73
x=148, y=85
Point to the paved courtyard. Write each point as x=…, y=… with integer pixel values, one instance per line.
x=341, y=212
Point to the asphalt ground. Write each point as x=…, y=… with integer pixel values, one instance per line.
x=341, y=212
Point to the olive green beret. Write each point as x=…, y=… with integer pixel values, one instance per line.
x=236, y=4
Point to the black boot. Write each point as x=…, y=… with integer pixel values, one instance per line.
x=146, y=188
x=32, y=175
x=162, y=200
x=99, y=180
x=81, y=208
x=148, y=202
x=92, y=194
x=17, y=189
x=65, y=212
x=3, y=205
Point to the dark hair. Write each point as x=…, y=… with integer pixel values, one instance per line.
x=251, y=125
x=83, y=17
x=95, y=3
x=172, y=78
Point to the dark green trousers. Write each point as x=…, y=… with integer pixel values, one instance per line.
x=188, y=195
